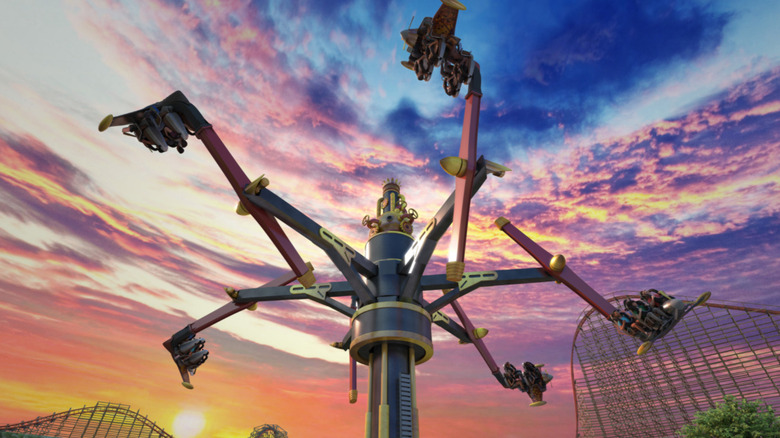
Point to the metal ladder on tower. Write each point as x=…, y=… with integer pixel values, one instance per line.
x=405, y=395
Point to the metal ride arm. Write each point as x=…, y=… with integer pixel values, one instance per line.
x=239, y=181
x=263, y=205
x=234, y=307
x=308, y=228
x=476, y=336
x=183, y=346
x=556, y=267
x=347, y=260
x=421, y=251
x=353, y=393
x=322, y=293
x=470, y=282
x=470, y=175
x=155, y=136
x=464, y=178
x=189, y=331
x=449, y=325
x=474, y=280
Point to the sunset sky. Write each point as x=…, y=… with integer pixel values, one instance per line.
x=643, y=140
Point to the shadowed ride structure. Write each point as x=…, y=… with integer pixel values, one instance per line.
x=390, y=316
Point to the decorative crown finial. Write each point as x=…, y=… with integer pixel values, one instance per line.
x=391, y=184
x=391, y=211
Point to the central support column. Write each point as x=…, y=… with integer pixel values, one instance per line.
x=391, y=336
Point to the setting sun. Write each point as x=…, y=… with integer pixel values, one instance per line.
x=188, y=424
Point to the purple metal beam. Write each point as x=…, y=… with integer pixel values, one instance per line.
x=353, y=394
x=352, y=380
x=238, y=180
x=212, y=318
x=233, y=308
x=463, y=184
x=481, y=347
x=565, y=276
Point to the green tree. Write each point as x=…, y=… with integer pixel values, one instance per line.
x=733, y=419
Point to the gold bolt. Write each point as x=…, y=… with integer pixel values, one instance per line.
x=455, y=166
x=255, y=186
x=557, y=263
x=480, y=332
x=231, y=292
x=241, y=210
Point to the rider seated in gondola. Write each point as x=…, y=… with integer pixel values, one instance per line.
x=533, y=375
x=638, y=308
x=514, y=378
x=645, y=320
x=624, y=321
x=531, y=380
x=524, y=380
x=653, y=298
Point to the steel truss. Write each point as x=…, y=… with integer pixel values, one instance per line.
x=104, y=420
x=720, y=349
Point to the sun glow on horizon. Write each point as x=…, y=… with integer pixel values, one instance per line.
x=188, y=424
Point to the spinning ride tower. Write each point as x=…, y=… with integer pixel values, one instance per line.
x=390, y=328
x=390, y=320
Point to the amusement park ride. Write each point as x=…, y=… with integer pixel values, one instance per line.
x=390, y=319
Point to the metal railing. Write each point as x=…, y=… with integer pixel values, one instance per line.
x=104, y=420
